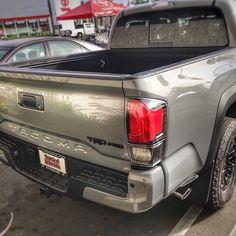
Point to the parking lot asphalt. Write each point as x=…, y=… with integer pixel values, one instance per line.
x=61, y=216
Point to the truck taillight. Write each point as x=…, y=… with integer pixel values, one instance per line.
x=146, y=130
x=144, y=123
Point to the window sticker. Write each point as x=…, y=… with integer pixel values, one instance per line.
x=183, y=22
x=135, y=23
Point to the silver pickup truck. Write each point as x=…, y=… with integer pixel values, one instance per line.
x=154, y=115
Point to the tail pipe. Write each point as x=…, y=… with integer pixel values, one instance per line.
x=182, y=196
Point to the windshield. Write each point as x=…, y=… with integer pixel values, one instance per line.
x=79, y=26
x=3, y=52
x=89, y=25
x=192, y=27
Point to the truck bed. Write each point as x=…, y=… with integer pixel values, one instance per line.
x=125, y=61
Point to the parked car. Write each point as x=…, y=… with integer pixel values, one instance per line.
x=30, y=49
x=154, y=115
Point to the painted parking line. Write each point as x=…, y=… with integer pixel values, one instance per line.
x=233, y=232
x=4, y=232
x=184, y=224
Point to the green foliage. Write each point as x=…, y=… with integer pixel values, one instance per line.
x=24, y=35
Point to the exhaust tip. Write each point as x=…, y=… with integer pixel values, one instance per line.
x=182, y=196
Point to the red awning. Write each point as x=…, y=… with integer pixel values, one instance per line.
x=93, y=8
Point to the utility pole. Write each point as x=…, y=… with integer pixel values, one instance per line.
x=53, y=19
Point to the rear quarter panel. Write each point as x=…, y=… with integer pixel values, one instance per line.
x=192, y=91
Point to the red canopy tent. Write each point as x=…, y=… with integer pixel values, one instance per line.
x=93, y=8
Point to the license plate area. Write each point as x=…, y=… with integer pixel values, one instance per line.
x=52, y=161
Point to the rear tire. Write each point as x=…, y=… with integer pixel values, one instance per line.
x=223, y=180
x=80, y=36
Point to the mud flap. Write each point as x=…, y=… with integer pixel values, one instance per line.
x=200, y=187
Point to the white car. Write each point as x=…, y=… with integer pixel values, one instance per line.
x=85, y=30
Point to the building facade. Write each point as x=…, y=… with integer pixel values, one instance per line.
x=24, y=17
x=19, y=18
x=60, y=7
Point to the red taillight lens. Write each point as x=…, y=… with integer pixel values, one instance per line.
x=144, y=123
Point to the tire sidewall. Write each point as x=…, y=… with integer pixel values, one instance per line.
x=226, y=195
x=220, y=197
x=79, y=35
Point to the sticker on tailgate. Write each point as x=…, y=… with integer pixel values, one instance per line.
x=52, y=161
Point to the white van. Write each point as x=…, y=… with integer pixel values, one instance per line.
x=81, y=31
x=84, y=30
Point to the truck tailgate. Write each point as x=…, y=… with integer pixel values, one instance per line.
x=82, y=116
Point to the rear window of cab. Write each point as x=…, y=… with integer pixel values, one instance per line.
x=189, y=27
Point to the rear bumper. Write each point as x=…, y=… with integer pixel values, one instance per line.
x=145, y=190
x=135, y=192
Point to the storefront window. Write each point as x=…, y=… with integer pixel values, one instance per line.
x=1, y=30
x=10, y=28
x=44, y=25
x=33, y=27
x=21, y=28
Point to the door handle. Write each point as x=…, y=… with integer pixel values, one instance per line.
x=31, y=101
